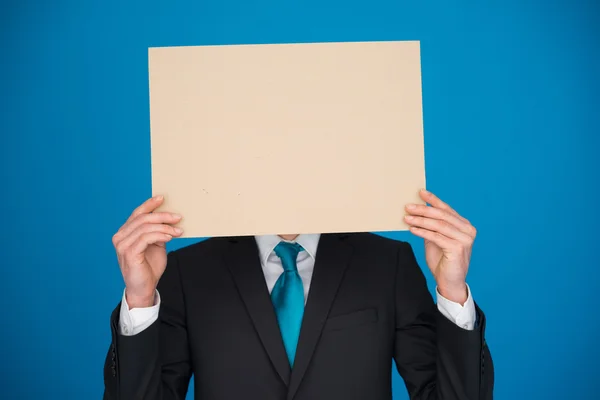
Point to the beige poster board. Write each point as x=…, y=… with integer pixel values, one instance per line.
x=287, y=138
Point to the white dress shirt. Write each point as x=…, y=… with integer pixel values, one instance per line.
x=134, y=321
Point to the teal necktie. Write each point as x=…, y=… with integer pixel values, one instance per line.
x=288, y=297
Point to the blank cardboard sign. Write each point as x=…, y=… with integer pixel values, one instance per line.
x=287, y=138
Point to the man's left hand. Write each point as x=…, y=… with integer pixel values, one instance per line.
x=448, y=242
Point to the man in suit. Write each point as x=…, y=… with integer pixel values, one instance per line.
x=304, y=317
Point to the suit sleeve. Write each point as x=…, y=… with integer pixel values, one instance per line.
x=437, y=359
x=154, y=364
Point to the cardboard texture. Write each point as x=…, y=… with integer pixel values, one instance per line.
x=287, y=138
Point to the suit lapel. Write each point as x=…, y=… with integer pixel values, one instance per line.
x=243, y=261
x=333, y=256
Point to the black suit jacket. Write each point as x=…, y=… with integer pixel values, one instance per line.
x=368, y=305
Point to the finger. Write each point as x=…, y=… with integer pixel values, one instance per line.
x=437, y=238
x=147, y=207
x=439, y=226
x=152, y=218
x=129, y=240
x=435, y=201
x=135, y=253
x=437, y=213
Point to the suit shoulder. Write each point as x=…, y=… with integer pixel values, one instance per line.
x=202, y=248
x=375, y=242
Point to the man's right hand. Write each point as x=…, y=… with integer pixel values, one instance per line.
x=140, y=245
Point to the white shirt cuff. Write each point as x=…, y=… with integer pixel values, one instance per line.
x=134, y=321
x=463, y=316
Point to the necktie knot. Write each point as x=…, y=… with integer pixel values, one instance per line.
x=288, y=253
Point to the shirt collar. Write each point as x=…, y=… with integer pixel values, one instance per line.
x=266, y=244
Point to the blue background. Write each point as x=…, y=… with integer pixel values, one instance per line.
x=511, y=108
